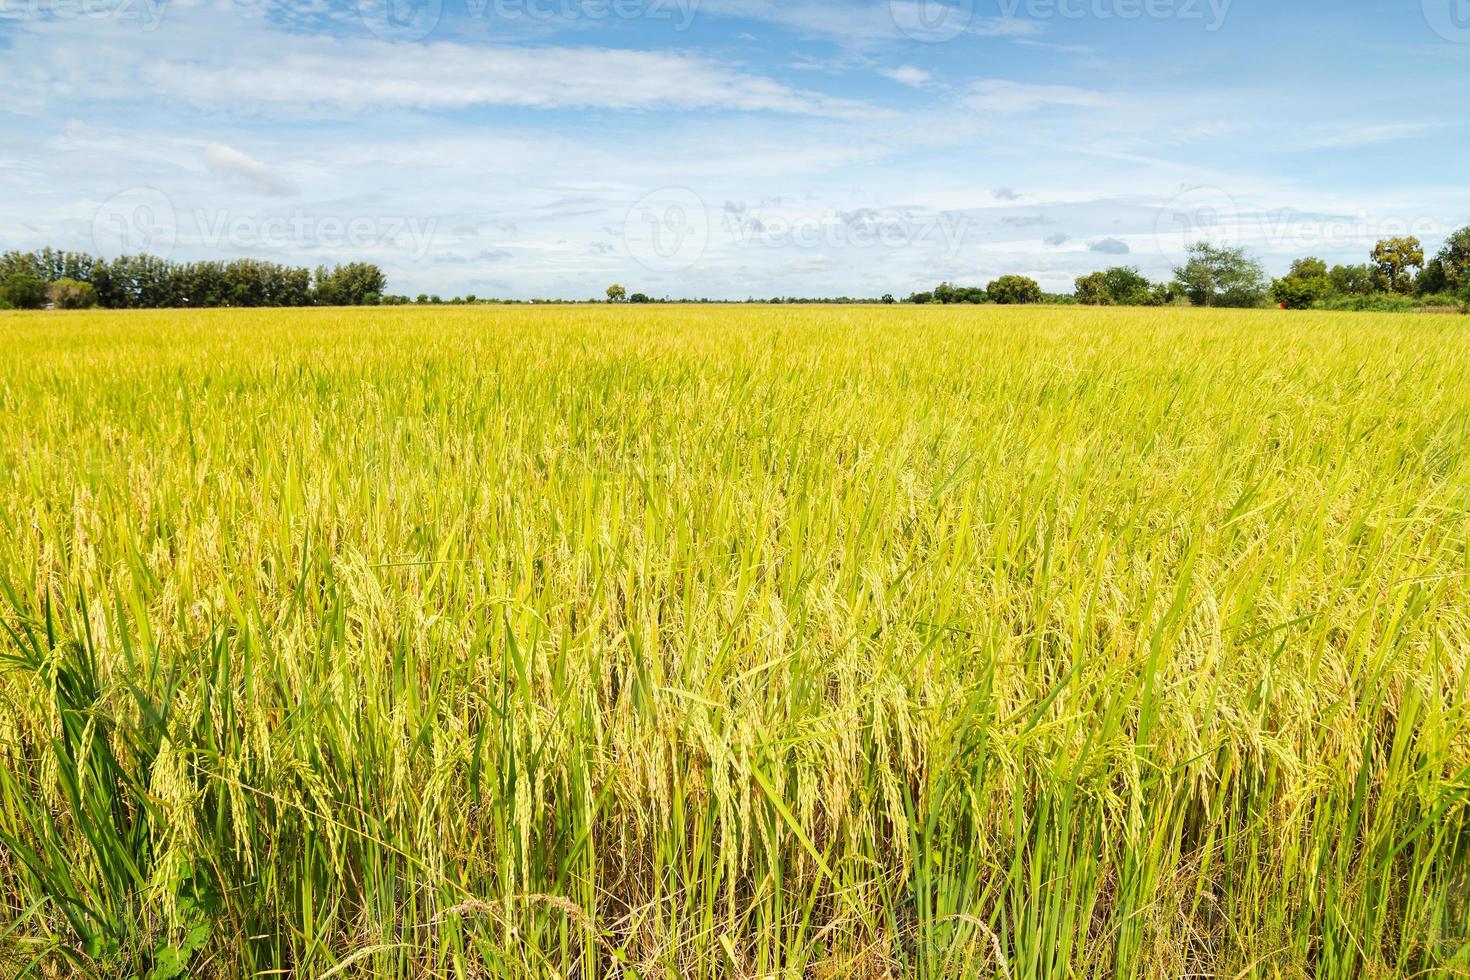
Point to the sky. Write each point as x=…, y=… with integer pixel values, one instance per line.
x=731, y=148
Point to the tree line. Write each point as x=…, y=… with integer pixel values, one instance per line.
x=76, y=280
x=1396, y=277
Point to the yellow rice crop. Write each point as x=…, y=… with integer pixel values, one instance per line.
x=734, y=642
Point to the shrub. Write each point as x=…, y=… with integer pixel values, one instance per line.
x=1387, y=303
x=68, y=294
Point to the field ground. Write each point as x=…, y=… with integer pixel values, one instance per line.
x=735, y=642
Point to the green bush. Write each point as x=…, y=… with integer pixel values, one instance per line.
x=1386, y=303
x=68, y=294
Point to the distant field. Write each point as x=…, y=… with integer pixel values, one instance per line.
x=735, y=642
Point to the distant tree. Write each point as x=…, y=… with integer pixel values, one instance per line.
x=1394, y=259
x=1351, y=280
x=1455, y=259
x=1298, y=292
x=1092, y=290
x=1013, y=290
x=422, y=299
x=616, y=293
x=1221, y=276
x=68, y=294
x=639, y=298
x=1127, y=286
x=949, y=293
x=887, y=299
x=1120, y=286
x=921, y=299
x=349, y=285
x=149, y=282
x=23, y=281
x=23, y=290
x=1162, y=294
x=1305, y=284
x=1309, y=268
x=1434, y=279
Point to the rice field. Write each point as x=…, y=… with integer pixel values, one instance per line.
x=734, y=642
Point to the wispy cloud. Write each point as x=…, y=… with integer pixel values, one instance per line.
x=454, y=76
x=1381, y=133
x=907, y=75
x=996, y=95
x=247, y=65
x=873, y=22
x=231, y=164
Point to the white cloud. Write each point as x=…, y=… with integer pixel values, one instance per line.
x=995, y=95
x=228, y=162
x=907, y=75
x=221, y=61
x=372, y=75
x=872, y=22
x=807, y=263
x=1368, y=135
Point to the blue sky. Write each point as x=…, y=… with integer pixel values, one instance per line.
x=731, y=148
